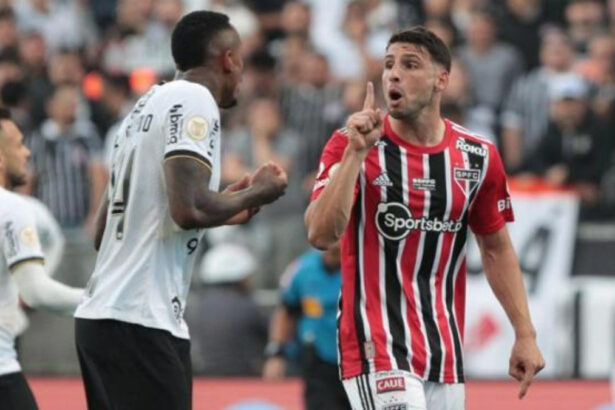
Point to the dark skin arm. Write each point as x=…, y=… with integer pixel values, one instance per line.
x=192, y=205
x=101, y=220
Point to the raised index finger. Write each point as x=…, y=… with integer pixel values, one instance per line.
x=369, y=103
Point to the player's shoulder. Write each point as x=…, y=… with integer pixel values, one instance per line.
x=461, y=136
x=186, y=89
x=338, y=139
x=13, y=204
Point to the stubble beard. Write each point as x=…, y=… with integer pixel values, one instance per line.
x=16, y=180
x=413, y=110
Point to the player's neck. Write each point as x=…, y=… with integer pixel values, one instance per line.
x=205, y=77
x=426, y=130
x=3, y=181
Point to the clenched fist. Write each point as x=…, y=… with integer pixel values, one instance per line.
x=271, y=181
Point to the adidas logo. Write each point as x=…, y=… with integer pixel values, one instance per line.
x=382, y=180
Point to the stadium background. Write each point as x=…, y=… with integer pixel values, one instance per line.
x=537, y=77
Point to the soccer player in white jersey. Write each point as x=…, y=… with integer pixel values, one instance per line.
x=402, y=191
x=132, y=341
x=21, y=268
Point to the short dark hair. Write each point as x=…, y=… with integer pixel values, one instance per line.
x=422, y=37
x=5, y=114
x=7, y=14
x=192, y=36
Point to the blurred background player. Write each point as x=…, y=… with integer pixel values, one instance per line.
x=165, y=178
x=308, y=311
x=401, y=191
x=21, y=267
x=233, y=346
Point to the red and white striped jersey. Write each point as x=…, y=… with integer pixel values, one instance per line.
x=403, y=252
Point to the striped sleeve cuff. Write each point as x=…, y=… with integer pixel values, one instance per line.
x=13, y=265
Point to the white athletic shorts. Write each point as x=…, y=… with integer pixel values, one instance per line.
x=401, y=390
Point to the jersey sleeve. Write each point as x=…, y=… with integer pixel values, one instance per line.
x=19, y=238
x=329, y=161
x=191, y=126
x=492, y=207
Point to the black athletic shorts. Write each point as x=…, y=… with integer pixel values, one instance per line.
x=131, y=367
x=15, y=394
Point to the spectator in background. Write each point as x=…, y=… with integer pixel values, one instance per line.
x=228, y=332
x=574, y=148
x=279, y=226
x=66, y=24
x=457, y=104
x=69, y=176
x=136, y=41
x=526, y=111
x=444, y=29
x=9, y=66
x=520, y=26
x=312, y=108
x=308, y=311
x=64, y=67
x=599, y=69
x=356, y=47
x=14, y=96
x=585, y=19
x=493, y=66
x=8, y=29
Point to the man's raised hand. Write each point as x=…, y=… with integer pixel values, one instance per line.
x=365, y=127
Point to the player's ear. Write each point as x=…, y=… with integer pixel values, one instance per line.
x=442, y=80
x=230, y=59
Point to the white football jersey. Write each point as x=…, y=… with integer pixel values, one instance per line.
x=145, y=261
x=49, y=234
x=18, y=243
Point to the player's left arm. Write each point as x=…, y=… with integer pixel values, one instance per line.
x=490, y=212
x=504, y=276
x=101, y=220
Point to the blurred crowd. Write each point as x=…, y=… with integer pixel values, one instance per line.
x=536, y=77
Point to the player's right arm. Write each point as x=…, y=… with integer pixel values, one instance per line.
x=328, y=214
x=191, y=144
x=192, y=205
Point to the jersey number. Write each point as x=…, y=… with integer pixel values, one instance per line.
x=121, y=191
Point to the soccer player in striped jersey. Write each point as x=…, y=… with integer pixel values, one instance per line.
x=402, y=190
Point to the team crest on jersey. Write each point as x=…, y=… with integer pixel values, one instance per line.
x=389, y=384
x=467, y=179
x=28, y=236
x=197, y=128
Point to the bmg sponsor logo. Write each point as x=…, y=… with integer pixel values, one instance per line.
x=394, y=221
